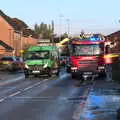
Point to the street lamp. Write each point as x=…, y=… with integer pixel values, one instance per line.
x=21, y=39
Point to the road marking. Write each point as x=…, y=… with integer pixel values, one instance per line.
x=14, y=94
x=45, y=80
x=37, y=84
x=2, y=99
x=6, y=82
x=28, y=88
x=18, y=92
x=32, y=86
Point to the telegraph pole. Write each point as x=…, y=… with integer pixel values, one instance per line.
x=68, y=26
x=21, y=42
x=60, y=19
x=52, y=24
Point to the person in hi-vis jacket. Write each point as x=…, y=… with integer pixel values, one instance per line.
x=108, y=63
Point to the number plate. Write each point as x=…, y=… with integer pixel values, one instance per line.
x=87, y=73
x=54, y=71
x=35, y=71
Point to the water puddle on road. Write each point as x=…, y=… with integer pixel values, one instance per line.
x=102, y=104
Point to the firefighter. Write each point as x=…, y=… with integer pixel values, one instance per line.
x=108, y=63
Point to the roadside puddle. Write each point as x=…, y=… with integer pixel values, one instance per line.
x=102, y=104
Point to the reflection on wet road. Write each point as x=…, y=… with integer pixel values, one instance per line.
x=42, y=99
x=102, y=103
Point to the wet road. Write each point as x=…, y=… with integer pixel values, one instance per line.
x=42, y=99
x=58, y=99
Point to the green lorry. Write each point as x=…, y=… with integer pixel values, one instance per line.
x=41, y=60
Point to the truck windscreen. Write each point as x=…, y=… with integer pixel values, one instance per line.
x=36, y=55
x=86, y=50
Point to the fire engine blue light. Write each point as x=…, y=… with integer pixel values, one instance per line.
x=94, y=39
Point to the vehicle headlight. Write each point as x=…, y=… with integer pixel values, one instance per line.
x=73, y=68
x=101, y=67
x=56, y=65
x=26, y=66
x=45, y=66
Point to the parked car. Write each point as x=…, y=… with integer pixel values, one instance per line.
x=20, y=62
x=9, y=63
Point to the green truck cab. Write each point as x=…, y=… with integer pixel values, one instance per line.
x=41, y=60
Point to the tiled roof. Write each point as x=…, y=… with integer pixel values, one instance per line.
x=14, y=22
x=28, y=32
x=19, y=25
x=115, y=37
x=115, y=34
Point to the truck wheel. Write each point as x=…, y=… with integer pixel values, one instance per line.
x=35, y=76
x=26, y=75
x=73, y=76
x=49, y=73
x=57, y=74
x=102, y=75
x=68, y=71
x=12, y=70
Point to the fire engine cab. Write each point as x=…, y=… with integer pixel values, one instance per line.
x=87, y=56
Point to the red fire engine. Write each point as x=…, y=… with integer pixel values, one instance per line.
x=87, y=56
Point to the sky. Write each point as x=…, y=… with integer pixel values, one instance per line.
x=92, y=16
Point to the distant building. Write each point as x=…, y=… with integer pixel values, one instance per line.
x=46, y=42
x=114, y=38
x=15, y=35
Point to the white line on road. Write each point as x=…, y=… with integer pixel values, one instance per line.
x=2, y=99
x=11, y=81
x=28, y=88
x=45, y=80
x=32, y=86
x=18, y=92
x=37, y=83
x=14, y=94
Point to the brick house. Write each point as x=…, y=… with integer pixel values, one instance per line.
x=114, y=38
x=14, y=35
